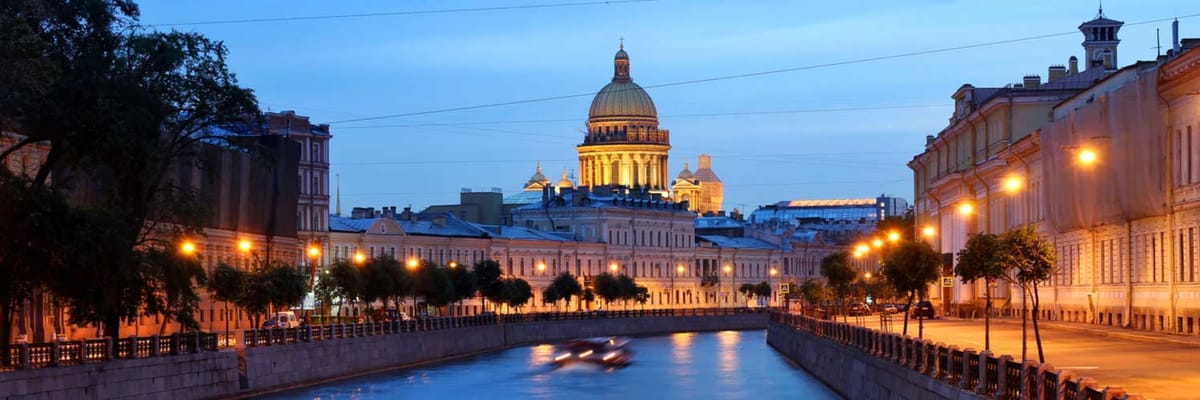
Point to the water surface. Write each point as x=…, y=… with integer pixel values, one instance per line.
x=710, y=365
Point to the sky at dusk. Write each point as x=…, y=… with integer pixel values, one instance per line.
x=836, y=131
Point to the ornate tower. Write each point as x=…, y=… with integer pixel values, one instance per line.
x=1100, y=42
x=623, y=145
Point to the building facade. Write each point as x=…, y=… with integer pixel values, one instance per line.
x=840, y=221
x=1103, y=167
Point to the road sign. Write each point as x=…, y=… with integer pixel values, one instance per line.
x=784, y=288
x=947, y=281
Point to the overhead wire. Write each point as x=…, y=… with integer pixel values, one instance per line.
x=746, y=75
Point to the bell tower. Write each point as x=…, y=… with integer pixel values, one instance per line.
x=1100, y=42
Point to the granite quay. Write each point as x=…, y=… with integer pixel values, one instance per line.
x=863, y=363
x=191, y=367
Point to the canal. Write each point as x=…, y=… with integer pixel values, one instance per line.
x=709, y=365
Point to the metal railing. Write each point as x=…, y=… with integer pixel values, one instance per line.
x=311, y=333
x=982, y=373
x=65, y=353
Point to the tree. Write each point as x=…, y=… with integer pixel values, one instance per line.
x=763, y=290
x=910, y=268
x=565, y=285
x=43, y=220
x=347, y=282
x=1032, y=260
x=587, y=297
x=226, y=284
x=518, y=292
x=641, y=295
x=433, y=283
x=747, y=289
x=979, y=259
x=463, y=281
x=607, y=288
x=550, y=296
x=380, y=280
x=288, y=285
x=119, y=107
x=838, y=274
x=487, y=280
x=812, y=292
x=627, y=289
x=177, y=276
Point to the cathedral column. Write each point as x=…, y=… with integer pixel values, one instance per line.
x=654, y=181
x=662, y=173
x=605, y=170
x=626, y=169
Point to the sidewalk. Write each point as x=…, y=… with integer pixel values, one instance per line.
x=1098, y=330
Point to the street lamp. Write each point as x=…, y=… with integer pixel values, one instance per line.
x=454, y=264
x=244, y=245
x=877, y=243
x=1087, y=156
x=187, y=248
x=966, y=209
x=541, y=266
x=893, y=236
x=928, y=231
x=774, y=271
x=613, y=267
x=359, y=257
x=1012, y=184
x=412, y=263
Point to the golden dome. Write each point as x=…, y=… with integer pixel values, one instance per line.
x=622, y=97
x=564, y=182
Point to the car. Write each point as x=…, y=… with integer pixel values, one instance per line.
x=857, y=308
x=923, y=309
x=888, y=308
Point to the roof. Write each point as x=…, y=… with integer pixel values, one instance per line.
x=827, y=203
x=346, y=224
x=522, y=233
x=717, y=222
x=622, y=99
x=525, y=197
x=737, y=242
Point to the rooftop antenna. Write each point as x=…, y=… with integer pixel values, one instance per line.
x=1157, y=44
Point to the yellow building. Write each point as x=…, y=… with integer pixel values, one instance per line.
x=702, y=190
x=624, y=146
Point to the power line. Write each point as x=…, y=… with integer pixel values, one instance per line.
x=399, y=13
x=749, y=74
x=746, y=184
x=695, y=115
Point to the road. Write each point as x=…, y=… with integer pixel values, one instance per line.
x=1152, y=370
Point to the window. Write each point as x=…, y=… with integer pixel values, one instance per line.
x=316, y=153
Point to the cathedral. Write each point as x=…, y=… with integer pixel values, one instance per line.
x=624, y=147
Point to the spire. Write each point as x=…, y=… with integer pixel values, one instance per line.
x=622, y=43
x=339, y=194
x=539, y=167
x=1100, y=12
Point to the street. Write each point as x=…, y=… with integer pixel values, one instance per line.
x=1152, y=370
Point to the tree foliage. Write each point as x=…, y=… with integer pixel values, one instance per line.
x=433, y=283
x=517, y=292
x=838, y=274
x=910, y=268
x=119, y=107
x=607, y=287
x=464, y=283
x=487, y=280
x=1032, y=260
x=565, y=286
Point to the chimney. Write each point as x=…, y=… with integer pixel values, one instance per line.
x=389, y=212
x=1032, y=81
x=1072, y=66
x=407, y=215
x=705, y=162
x=1175, y=36
x=1055, y=73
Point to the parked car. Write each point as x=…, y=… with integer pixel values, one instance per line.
x=888, y=308
x=285, y=319
x=923, y=309
x=857, y=308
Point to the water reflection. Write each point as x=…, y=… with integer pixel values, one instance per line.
x=724, y=365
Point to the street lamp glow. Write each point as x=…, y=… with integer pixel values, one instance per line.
x=612, y=267
x=679, y=269
x=867, y=275
x=412, y=263
x=359, y=257
x=858, y=254
x=454, y=264
x=893, y=236
x=187, y=248
x=728, y=268
x=1087, y=157
x=966, y=209
x=244, y=245
x=1012, y=184
x=862, y=248
x=313, y=251
x=541, y=266
x=928, y=231
x=877, y=243
x=774, y=271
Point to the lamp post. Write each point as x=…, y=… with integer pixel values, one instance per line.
x=771, y=283
x=679, y=270
x=314, y=253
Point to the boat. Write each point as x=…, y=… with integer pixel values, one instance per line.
x=609, y=351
